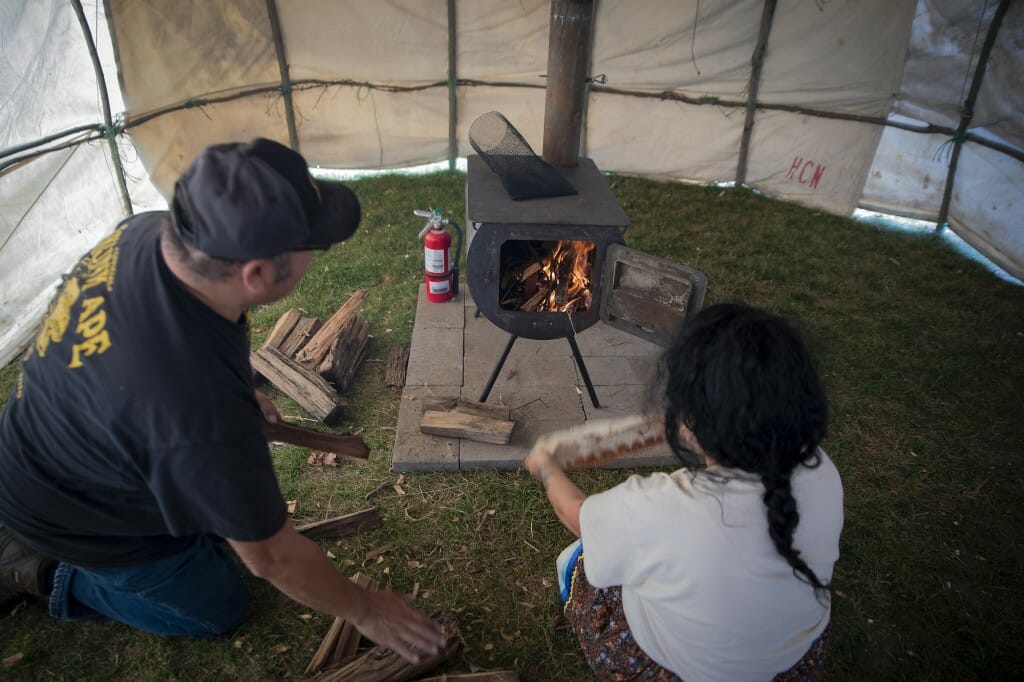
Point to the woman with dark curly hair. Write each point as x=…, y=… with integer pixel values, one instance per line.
x=719, y=570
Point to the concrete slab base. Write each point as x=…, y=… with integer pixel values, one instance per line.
x=453, y=353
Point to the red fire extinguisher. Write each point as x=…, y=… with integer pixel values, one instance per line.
x=442, y=278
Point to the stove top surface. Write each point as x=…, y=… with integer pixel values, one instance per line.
x=595, y=204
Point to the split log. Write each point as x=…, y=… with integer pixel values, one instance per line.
x=596, y=441
x=332, y=641
x=488, y=410
x=349, y=446
x=530, y=270
x=493, y=676
x=384, y=665
x=398, y=362
x=326, y=648
x=300, y=335
x=347, y=645
x=532, y=303
x=313, y=353
x=311, y=392
x=341, y=362
x=342, y=526
x=470, y=426
x=282, y=328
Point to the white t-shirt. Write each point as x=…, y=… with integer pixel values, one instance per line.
x=704, y=590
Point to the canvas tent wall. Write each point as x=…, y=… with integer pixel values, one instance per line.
x=909, y=107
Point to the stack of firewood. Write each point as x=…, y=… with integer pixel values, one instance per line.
x=313, y=362
x=342, y=657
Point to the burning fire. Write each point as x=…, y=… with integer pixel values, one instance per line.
x=564, y=279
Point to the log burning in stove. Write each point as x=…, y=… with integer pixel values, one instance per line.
x=547, y=276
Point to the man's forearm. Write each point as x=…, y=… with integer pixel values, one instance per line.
x=297, y=567
x=306, y=575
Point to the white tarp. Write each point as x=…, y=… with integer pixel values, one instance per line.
x=371, y=91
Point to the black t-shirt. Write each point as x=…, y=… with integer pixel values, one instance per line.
x=134, y=424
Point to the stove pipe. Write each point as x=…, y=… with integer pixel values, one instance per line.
x=569, y=47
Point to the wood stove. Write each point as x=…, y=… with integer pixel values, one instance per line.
x=512, y=242
x=499, y=227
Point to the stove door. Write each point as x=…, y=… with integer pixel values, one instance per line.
x=647, y=296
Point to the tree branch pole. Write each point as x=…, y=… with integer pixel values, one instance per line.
x=753, y=85
x=286, y=82
x=967, y=112
x=109, y=132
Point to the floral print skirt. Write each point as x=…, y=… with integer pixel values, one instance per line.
x=596, y=617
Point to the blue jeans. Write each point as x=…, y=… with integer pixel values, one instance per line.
x=196, y=593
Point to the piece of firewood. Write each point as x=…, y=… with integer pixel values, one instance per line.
x=493, y=676
x=589, y=444
x=398, y=362
x=300, y=335
x=344, y=445
x=384, y=665
x=529, y=270
x=531, y=304
x=470, y=426
x=464, y=406
x=318, y=346
x=326, y=648
x=306, y=388
x=342, y=526
x=332, y=640
x=282, y=328
x=341, y=362
x=347, y=645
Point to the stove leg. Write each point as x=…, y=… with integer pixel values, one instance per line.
x=583, y=369
x=497, y=368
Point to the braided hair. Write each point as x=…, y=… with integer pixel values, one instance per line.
x=743, y=382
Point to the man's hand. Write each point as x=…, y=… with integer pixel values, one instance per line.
x=392, y=621
x=269, y=410
x=299, y=568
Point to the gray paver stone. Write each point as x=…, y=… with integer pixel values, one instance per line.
x=417, y=451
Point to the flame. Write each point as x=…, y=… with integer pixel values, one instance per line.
x=566, y=270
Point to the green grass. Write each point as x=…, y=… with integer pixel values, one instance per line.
x=921, y=354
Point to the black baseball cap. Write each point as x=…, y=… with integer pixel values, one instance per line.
x=247, y=200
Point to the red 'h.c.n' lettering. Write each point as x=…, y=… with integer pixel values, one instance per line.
x=805, y=172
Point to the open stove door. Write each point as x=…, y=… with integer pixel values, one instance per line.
x=647, y=296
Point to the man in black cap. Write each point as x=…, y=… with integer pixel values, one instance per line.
x=133, y=441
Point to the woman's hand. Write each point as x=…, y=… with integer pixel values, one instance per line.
x=565, y=497
x=268, y=408
x=540, y=464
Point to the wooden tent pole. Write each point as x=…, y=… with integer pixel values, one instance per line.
x=7, y=158
x=286, y=81
x=94, y=128
x=967, y=112
x=109, y=132
x=756, y=62
x=453, y=82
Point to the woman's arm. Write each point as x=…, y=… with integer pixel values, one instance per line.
x=564, y=496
